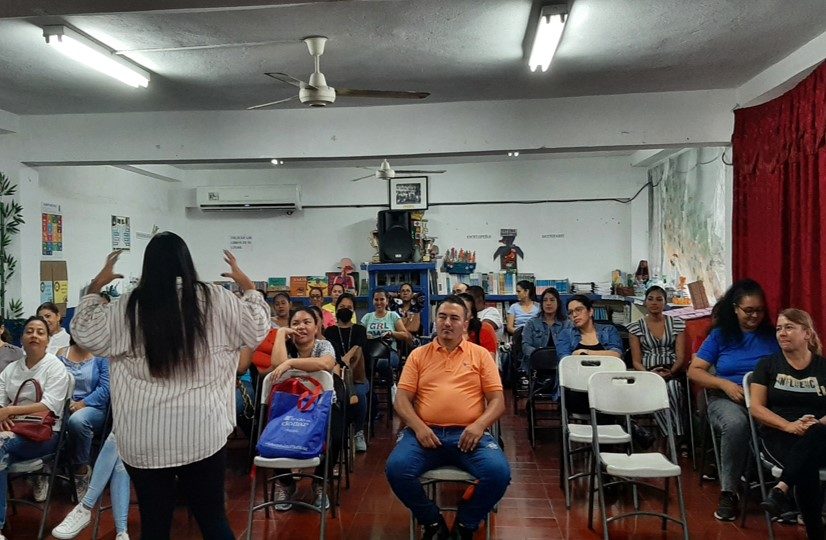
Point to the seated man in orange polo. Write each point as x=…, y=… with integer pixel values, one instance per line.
x=449, y=393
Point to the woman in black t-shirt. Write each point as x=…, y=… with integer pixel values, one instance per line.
x=788, y=398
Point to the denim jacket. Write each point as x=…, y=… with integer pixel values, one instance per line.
x=536, y=333
x=568, y=339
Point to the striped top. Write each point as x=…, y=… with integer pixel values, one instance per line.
x=656, y=351
x=187, y=417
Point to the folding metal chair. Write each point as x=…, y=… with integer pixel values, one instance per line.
x=36, y=467
x=326, y=380
x=574, y=372
x=375, y=351
x=631, y=393
x=542, y=387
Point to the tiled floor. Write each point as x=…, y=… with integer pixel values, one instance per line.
x=533, y=507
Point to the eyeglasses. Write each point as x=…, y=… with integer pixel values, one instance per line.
x=751, y=312
x=576, y=310
x=316, y=296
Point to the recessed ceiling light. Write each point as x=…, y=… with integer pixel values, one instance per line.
x=277, y=161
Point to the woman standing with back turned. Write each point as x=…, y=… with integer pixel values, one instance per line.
x=174, y=344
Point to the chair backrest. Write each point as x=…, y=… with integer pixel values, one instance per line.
x=544, y=359
x=627, y=392
x=746, y=393
x=375, y=349
x=574, y=371
x=323, y=377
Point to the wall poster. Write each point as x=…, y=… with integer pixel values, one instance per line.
x=51, y=229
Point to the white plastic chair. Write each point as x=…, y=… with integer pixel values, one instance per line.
x=430, y=479
x=574, y=372
x=326, y=380
x=634, y=393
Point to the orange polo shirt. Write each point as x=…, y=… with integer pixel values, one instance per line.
x=450, y=388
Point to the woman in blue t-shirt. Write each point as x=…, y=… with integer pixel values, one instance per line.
x=385, y=324
x=741, y=336
x=526, y=308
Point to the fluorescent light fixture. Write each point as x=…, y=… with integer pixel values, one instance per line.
x=95, y=55
x=277, y=161
x=548, y=33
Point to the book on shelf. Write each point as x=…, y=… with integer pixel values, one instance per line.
x=298, y=286
x=277, y=284
x=317, y=281
x=526, y=276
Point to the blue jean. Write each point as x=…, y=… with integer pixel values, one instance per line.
x=730, y=421
x=109, y=465
x=359, y=411
x=409, y=461
x=83, y=424
x=14, y=450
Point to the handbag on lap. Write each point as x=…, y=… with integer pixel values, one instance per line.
x=36, y=426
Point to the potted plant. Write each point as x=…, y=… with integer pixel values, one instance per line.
x=11, y=217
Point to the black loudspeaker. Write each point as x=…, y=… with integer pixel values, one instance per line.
x=395, y=236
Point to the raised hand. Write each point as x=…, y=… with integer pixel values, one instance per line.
x=235, y=273
x=107, y=273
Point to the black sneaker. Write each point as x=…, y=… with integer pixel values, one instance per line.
x=776, y=503
x=727, y=507
x=463, y=533
x=436, y=531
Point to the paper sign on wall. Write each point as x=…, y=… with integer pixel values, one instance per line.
x=61, y=291
x=46, y=292
x=121, y=233
x=51, y=229
x=240, y=243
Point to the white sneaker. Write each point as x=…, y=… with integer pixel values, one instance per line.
x=40, y=487
x=319, y=496
x=122, y=536
x=77, y=520
x=283, y=493
x=360, y=443
x=82, y=483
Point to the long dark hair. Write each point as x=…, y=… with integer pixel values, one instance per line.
x=313, y=311
x=51, y=306
x=727, y=321
x=474, y=326
x=560, y=312
x=171, y=330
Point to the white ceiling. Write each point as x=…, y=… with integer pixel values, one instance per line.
x=459, y=50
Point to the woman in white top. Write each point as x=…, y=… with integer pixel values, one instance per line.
x=59, y=336
x=174, y=344
x=49, y=372
x=525, y=309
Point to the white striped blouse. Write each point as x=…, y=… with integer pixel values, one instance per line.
x=186, y=418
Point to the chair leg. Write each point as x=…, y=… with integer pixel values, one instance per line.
x=591, y=478
x=253, y=478
x=681, y=500
x=603, y=511
x=412, y=527
x=666, y=496
x=566, y=469
x=488, y=526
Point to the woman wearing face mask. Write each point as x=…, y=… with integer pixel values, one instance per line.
x=296, y=347
x=658, y=344
x=741, y=336
x=347, y=340
x=336, y=290
x=51, y=314
x=48, y=371
x=788, y=399
x=281, y=305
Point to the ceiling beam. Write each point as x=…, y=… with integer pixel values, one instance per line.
x=784, y=75
x=10, y=9
x=166, y=173
x=9, y=122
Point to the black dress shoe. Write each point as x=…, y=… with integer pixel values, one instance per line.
x=463, y=533
x=776, y=503
x=436, y=531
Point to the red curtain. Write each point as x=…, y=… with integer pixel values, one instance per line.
x=779, y=229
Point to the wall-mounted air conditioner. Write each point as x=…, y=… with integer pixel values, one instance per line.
x=281, y=197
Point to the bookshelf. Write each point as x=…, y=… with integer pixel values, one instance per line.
x=390, y=276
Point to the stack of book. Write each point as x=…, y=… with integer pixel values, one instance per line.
x=582, y=287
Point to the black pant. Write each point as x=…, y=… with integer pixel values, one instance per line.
x=201, y=482
x=801, y=459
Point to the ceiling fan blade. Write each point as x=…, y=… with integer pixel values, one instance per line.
x=407, y=171
x=289, y=79
x=271, y=103
x=363, y=177
x=381, y=93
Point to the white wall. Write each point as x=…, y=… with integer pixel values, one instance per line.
x=598, y=235
x=88, y=197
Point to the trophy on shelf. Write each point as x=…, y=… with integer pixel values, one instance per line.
x=374, y=242
x=428, y=253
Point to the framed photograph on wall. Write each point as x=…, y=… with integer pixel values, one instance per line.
x=408, y=193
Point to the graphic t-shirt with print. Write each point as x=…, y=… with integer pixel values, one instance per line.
x=791, y=392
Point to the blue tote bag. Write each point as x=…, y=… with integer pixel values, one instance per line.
x=298, y=425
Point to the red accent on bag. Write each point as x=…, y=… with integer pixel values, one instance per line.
x=36, y=426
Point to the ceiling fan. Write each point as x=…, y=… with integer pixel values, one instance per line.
x=316, y=93
x=384, y=172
